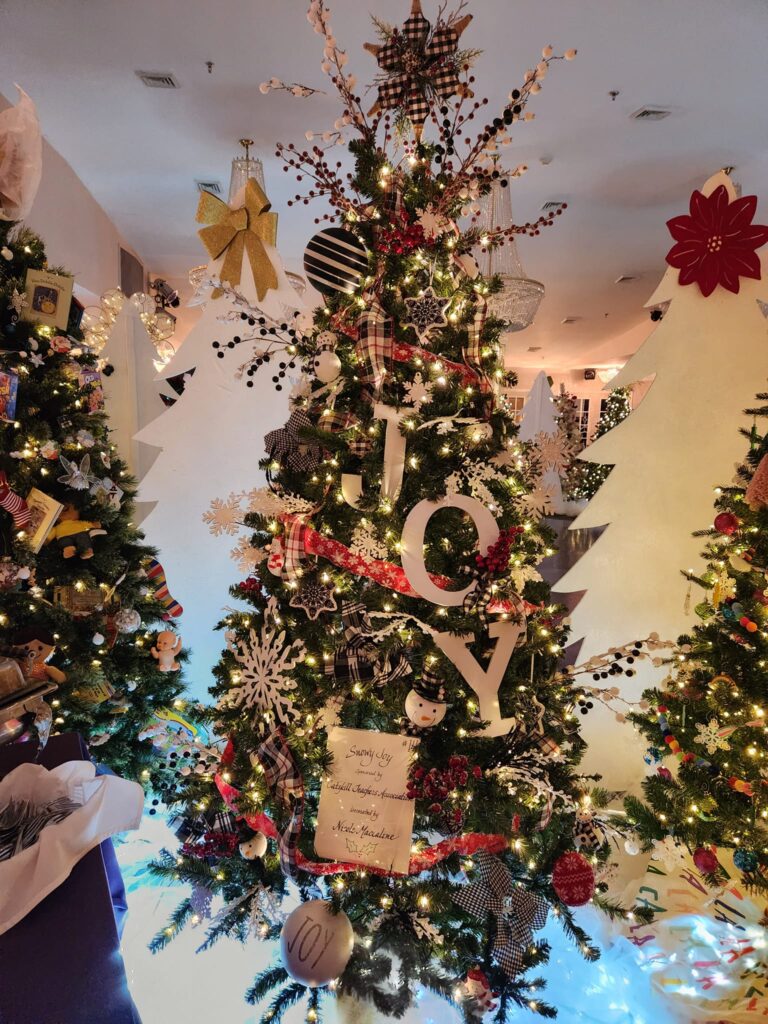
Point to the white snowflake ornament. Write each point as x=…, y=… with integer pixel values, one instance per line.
x=670, y=853
x=224, y=515
x=418, y=391
x=710, y=738
x=265, y=662
x=365, y=543
x=247, y=556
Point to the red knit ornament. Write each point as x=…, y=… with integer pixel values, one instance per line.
x=573, y=879
x=757, y=491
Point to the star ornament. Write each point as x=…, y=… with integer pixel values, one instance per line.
x=419, y=66
x=314, y=598
x=426, y=312
x=716, y=241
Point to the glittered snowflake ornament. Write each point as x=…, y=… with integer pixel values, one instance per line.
x=314, y=597
x=426, y=312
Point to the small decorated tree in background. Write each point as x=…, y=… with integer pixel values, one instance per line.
x=569, y=426
x=588, y=476
x=399, y=744
x=710, y=715
x=83, y=610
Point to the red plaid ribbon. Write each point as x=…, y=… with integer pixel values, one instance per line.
x=374, y=345
x=294, y=547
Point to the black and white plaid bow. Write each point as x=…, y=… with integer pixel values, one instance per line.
x=479, y=597
x=357, y=660
x=374, y=345
x=21, y=822
x=285, y=779
x=419, y=67
x=518, y=912
x=290, y=449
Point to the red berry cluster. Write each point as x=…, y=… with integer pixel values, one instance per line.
x=437, y=785
x=400, y=239
x=251, y=587
x=212, y=844
x=496, y=559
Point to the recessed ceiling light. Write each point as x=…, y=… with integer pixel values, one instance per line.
x=213, y=187
x=552, y=204
x=650, y=114
x=158, y=79
x=534, y=348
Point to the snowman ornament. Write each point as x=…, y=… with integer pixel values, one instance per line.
x=425, y=704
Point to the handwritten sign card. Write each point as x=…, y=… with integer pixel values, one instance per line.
x=365, y=815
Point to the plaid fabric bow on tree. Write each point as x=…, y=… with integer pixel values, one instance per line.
x=290, y=449
x=357, y=660
x=518, y=912
x=420, y=66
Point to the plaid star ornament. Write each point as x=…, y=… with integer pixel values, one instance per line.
x=426, y=312
x=419, y=66
x=518, y=912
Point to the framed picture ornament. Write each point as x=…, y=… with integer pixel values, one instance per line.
x=365, y=815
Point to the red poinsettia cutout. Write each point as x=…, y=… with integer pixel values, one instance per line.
x=716, y=242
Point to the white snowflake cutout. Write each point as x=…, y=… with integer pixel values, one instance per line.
x=364, y=542
x=224, y=515
x=418, y=391
x=551, y=451
x=670, y=853
x=265, y=502
x=265, y=662
x=246, y=555
x=708, y=736
x=18, y=302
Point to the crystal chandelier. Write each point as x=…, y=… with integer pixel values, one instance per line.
x=520, y=298
x=243, y=168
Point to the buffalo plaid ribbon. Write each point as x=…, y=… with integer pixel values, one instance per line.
x=356, y=661
x=290, y=449
x=480, y=596
x=418, y=66
x=335, y=422
x=294, y=548
x=518, y=912
x=284, y=778
x=374, y=345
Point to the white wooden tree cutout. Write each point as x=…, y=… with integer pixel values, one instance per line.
x=708, y=356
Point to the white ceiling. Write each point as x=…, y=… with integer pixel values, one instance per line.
x=139, y=150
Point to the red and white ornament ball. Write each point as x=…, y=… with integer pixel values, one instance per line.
x=573, y=879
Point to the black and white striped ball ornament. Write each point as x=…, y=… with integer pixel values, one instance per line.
x=335, y=260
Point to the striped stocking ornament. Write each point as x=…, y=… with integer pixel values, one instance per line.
x=156, y=573
x=14, y=503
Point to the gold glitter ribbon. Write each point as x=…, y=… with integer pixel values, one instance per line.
x=235, y=233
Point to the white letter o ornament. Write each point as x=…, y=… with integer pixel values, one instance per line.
x=412, y=544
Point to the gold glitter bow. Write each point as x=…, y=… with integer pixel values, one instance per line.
x=238, y=232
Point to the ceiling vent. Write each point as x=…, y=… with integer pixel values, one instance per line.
x=552, y=204
x=158, y=79
x=570, y=319
x=624, y=278
x=650, y=114
x=534, y=348
x=214, y=187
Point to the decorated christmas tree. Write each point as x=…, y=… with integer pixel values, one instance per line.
x=666, y=456
x=709, y=717
x=589, y=476
x=400, y=746
x=83, y=613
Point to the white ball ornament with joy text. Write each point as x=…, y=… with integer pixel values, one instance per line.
x=424, y=712
x=315, y=944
